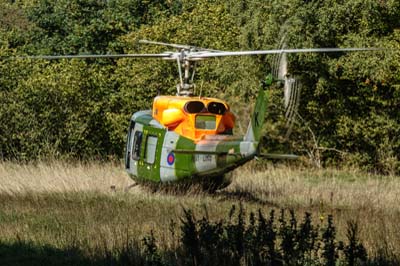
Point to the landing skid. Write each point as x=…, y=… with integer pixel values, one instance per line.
x=130, y=186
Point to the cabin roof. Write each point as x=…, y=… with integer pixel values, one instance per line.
x=145, y=118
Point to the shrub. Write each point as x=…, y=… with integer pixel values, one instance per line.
x=255, y=240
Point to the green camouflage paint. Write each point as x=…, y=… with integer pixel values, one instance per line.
x=166, y=156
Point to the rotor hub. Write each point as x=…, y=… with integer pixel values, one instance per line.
x=185, y=89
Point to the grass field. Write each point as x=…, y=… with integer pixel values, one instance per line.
x=58, y=208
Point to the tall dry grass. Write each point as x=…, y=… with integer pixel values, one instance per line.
x=59, y=203
x=312, y=187
x=61, y=176
x=373, y=201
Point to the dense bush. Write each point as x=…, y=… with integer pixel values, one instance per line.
x=257, y=240
x=349, y=106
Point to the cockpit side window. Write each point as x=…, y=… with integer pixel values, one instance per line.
x=137, y=142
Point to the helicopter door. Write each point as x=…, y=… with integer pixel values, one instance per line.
x=129, y=145
x=134, y=148
x=150, y=151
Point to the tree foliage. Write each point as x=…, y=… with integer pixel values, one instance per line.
x=349, y=104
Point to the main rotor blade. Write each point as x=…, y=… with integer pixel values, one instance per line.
x=201, y=55
x=194, y=56
x=179, y=46
x=163, y=55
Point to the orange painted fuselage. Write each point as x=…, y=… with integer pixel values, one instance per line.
x=193, y=117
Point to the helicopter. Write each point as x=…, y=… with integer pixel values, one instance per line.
x=189, y=138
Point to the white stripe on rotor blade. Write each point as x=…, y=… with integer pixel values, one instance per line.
x=200, y=55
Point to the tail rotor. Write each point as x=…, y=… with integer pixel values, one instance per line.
x=291, y=89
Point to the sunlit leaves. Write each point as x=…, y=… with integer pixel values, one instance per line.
x=349, y=100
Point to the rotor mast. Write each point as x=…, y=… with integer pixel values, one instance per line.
x=186, y=65
x=186, y=85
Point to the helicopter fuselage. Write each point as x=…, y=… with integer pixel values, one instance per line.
x=159, y=154
x=154, y=153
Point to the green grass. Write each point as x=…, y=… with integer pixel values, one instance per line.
x=71, y=208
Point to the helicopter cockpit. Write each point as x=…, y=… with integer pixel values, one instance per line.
x=193, y=117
